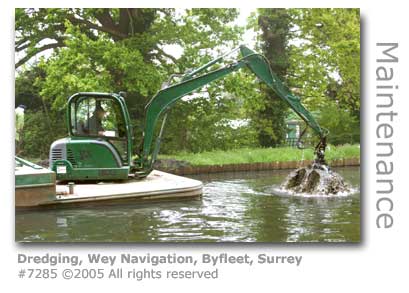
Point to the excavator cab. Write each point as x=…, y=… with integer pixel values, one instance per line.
x=96, y=116
x=99, y=145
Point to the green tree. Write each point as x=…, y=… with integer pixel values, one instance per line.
x=42, y=125
x=26, y=92
x=40, y=130
x=119, y=49
x=343, y=126
x=325, y=57
x=325, y=67
x=269, y=112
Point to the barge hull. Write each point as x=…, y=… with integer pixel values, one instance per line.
x=157, y=186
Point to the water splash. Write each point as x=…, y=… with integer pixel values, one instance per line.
x=314, y=180
x=302, y=159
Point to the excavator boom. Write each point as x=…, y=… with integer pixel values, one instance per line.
x=167, y=96
x=260, y=66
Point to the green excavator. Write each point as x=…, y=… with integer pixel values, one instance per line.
x=100, y=142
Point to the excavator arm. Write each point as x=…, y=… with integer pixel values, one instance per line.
x=190, y=82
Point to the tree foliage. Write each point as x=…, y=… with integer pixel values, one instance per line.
x=118, y=49
x=132, y=50
x=63, y=51
x=325, y=67
x=270, y=117
x=325, y=57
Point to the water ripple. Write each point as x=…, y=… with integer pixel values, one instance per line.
x=235, y=207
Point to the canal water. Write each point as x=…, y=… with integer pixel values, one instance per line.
x=235, y=207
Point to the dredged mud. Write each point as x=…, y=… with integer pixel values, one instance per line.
x=315, y=179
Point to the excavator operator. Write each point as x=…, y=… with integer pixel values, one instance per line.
x=93, y=125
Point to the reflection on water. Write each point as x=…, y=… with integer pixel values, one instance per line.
x=234, y=207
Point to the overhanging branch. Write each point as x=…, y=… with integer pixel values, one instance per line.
x=174, y=60
x=35, y=51
x=90, y=25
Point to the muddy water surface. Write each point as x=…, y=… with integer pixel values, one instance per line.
x=235, y=207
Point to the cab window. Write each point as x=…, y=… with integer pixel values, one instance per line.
x=92, y=116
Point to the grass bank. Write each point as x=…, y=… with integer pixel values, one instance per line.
x=263, y=155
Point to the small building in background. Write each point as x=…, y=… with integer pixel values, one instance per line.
x=293, y=132
x=295, y=126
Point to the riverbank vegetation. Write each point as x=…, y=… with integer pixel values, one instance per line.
x=262, y=155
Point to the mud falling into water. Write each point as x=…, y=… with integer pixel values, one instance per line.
x=315, y=179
